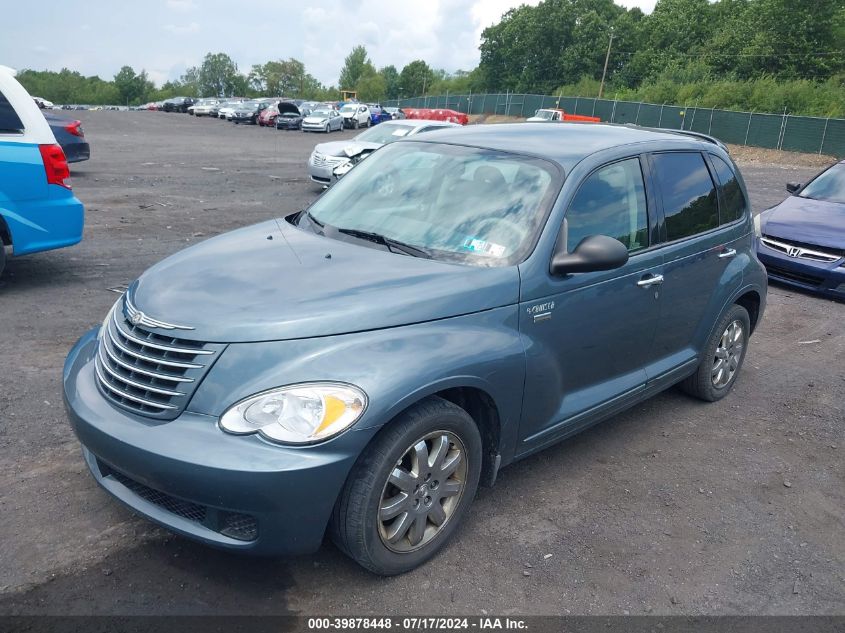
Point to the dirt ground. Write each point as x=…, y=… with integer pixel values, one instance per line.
x=675, y=507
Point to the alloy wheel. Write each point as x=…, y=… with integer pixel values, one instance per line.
x=728, y=354
x=422, y=492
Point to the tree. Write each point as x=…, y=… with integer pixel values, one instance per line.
x=371, y=88
x=219, y=77
x=355, y=66
x=131, y=87
x=391, y=81
x=415, y=78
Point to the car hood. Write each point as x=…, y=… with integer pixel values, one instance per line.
x=338, y=148
x=809, y=221
x=273, y=281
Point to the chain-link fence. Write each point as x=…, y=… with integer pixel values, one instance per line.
x=775, y=131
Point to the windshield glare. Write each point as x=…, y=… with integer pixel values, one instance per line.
x=463, y=204
x=830, y=186
x=544, y=114
x=385, y=133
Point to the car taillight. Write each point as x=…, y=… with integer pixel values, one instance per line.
x=55, y=164
x=75, y=128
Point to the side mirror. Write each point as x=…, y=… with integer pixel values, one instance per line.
x=792, y=187
x=596, y=252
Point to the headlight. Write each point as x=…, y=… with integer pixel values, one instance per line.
x=298, y=414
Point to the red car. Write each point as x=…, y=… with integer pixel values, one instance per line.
x=267, y=117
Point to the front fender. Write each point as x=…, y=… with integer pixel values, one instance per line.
x=396, y=367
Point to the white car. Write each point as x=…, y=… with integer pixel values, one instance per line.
x=326, y=157
x=227, y=109
x=355, y=115
x=203, y=107
x=546, y=114
x=323, y=120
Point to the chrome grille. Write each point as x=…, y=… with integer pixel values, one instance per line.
x=146, y=372
x=321, y=160
x=801, y=250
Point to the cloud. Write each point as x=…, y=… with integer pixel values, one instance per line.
x=177, y=29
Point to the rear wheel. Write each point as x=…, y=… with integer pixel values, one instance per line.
x=410, y=489
x=722, y=358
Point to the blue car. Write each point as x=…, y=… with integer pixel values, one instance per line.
x=460, y=300
x=802, y=241
x=38, y=210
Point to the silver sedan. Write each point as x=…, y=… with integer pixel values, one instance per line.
x=323, y=120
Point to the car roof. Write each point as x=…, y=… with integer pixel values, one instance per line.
x=564, y=143
x=421, y=123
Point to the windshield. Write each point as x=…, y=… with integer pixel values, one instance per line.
x=385, y=133
x=829, y=186
x=321, y=113
x=544, y=114
x=460, y=204
x=349, y=108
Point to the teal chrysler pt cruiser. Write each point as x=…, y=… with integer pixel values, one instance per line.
x=457, y=301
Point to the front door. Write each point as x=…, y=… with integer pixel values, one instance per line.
x=588, y=336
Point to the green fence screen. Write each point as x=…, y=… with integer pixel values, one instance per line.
x=775, y=131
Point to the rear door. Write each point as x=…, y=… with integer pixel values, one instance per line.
x=700, y=241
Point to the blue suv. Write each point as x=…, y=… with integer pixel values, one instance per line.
x=457, y=301
x=38, y=210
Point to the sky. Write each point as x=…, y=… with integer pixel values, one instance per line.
x=164, y=37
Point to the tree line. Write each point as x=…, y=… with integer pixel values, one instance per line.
x=763, y=55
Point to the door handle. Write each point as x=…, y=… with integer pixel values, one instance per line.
x=650, y=280
x=726, y=253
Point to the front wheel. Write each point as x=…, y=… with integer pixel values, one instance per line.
x=410, y=489
x=722, y=357
x=328, y=128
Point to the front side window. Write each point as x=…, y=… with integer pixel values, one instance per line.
x=612, y=202
x=733, y=200
x=9, y=119
x=689, y=195
x=459, y=204
x=829, y=186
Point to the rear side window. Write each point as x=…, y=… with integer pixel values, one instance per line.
x=733, y=200
x=9, y=119
x=611, y=201
x=689, y=195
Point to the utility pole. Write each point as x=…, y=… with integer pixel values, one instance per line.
x=606, y=59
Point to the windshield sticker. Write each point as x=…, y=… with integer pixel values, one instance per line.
x=485, y=248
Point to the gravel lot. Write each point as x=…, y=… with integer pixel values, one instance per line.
x=675, y=507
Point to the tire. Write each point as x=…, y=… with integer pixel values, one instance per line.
x=356, y=527
x=328, y=128
x=355, y=124
x=723, y=356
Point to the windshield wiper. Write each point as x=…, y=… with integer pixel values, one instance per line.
x=388, y=242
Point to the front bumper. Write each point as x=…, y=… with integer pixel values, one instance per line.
x=827, y=279
x=322, y=174
x=282, y=124
x=233, y=492
x=313, y=127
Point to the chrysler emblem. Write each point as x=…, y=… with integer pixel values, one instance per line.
x=136, y=317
